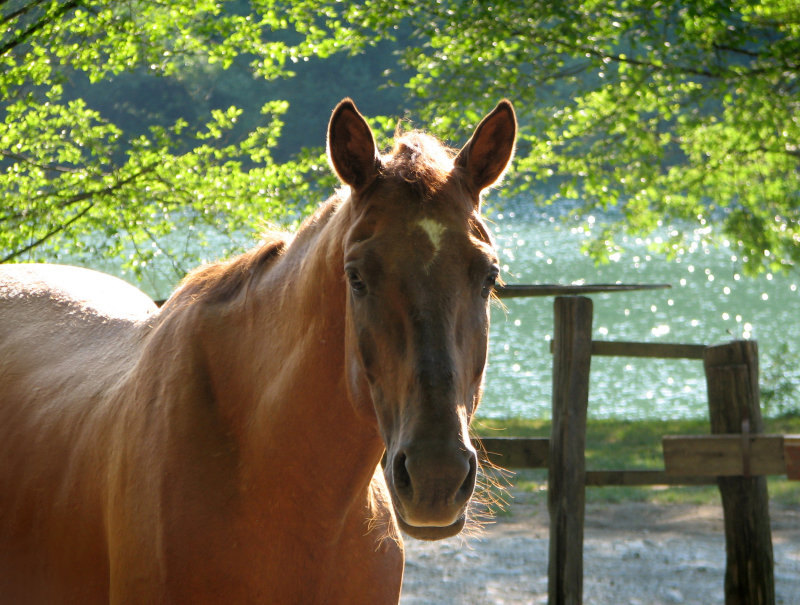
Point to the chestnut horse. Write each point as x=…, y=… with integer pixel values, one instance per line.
x=226, y=448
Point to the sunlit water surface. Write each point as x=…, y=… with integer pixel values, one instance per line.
x=710, y=302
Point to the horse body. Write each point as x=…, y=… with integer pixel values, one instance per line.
x=112, y=482
x=226, y=448
x=62, y=360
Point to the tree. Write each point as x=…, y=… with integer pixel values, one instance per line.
x=73, y=181
x=656, y=112
x=660, y=111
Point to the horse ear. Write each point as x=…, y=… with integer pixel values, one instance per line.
x=487, y=154
x=352, y=151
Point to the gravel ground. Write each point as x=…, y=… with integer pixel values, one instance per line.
x=634, y=554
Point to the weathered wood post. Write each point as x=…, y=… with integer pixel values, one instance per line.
x=572, y=351
x=733, y=400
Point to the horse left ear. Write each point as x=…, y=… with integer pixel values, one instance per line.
x=488, y=153
x=352, y=151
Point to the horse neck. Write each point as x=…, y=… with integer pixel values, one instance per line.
x=281, y=370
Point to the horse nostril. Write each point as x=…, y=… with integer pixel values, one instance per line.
x=402, y=480
x=468, y=486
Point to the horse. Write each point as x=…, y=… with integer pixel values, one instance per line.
x=227, y=447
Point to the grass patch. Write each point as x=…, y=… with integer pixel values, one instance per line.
x=635, y=445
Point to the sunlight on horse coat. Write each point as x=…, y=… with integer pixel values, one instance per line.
x=226, y=448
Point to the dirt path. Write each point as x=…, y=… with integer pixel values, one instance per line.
x=634, y=554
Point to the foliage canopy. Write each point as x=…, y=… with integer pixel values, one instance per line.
x=654, y=112
x=73, y=180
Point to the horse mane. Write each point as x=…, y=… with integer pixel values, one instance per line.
x=221, y=281
x=421, y=160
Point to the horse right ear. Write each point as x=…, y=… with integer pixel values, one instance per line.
x=352, y=151
x=488, y=153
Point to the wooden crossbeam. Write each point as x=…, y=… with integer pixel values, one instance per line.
x=517, y=452
x=643, y=477
x=688, y=460
x=657, y=350
x=528, y=290
x=533, y=452
x=724, y=455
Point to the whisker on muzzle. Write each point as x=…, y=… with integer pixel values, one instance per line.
x=491, y=496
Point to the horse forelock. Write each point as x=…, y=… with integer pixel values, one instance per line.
x=420, y=160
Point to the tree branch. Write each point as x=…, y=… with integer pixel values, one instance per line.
x=75, y=199
x=48, y=167
x=46, y=236
x=19, y=12
x=23, y=36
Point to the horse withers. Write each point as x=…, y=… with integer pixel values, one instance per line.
x=226, y=448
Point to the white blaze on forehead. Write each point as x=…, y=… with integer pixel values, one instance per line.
x=434, y=230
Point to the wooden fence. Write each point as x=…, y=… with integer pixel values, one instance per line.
x=736, y=455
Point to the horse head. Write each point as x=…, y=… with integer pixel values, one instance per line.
x=420, y=269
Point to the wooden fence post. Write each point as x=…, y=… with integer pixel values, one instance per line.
x=572, y=345
x=733, y=399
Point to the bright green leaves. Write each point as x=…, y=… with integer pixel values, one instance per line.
x=63, y=195
x=663, y=111
x=77, y=186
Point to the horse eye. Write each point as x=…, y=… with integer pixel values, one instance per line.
x=357, y=284
x=490, y=282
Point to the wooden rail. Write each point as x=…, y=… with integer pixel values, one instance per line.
x=533, y=452
x=737, y=455
x=658, y=350
x=688, y=460
x=528, y=290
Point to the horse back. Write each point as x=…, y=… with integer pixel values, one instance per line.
x=68, y=337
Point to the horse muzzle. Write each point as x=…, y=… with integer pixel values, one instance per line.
x=431, y=486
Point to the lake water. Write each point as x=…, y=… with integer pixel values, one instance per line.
x=710, y=302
